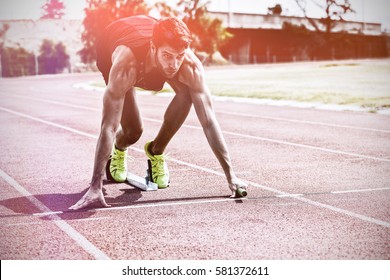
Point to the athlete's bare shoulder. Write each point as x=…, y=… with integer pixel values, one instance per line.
x=191, y=72
x=123, y=56
x=123, y=72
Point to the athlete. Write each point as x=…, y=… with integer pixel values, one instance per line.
x=142, y=52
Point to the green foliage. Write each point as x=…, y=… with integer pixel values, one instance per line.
x=53, y=9
x=165, y=10
x=334, y=10
x=17, y=62
x=99, y=14
x=4, y=28
x=276, y=10
x=53, y=58
x=208, y=33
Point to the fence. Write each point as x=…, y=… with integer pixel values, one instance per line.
x=268, y=46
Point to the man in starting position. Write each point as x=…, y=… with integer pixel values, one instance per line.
x=142, y=52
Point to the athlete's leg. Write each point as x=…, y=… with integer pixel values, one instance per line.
x=131, y=122
x=129, y=133
x=174, y=117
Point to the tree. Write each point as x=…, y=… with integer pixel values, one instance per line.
x=53, y=58
x=17, y=62
x=53, y=9
x=99, y=14
x=334, y=11
x=3, y=31
x=165, y=10
x=208, y=33
x=277, y=10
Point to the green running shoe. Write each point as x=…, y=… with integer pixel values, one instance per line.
x=160, y=172
x=118, y=165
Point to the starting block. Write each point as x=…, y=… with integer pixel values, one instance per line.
x=145, y=184
x=142, y=183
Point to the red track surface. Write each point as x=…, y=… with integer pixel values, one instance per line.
x=320, y=182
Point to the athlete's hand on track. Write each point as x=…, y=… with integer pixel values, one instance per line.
x=93, y=197
x=236, y=184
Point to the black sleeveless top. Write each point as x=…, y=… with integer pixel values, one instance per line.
x=135, y=33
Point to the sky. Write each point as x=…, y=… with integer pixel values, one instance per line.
x=377, y=11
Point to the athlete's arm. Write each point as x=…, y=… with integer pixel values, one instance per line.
x=192, y=74
x=121, y=79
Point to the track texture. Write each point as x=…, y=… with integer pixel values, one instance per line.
x=319, y=182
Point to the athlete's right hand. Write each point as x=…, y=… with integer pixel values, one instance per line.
x=92, y=198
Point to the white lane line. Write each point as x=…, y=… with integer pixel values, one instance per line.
x=302, y=121
x=217, y=111
x=329, y=207
x=306, y=200
x=280, y=142
x=63, y=225
x=289, y=195
x=136, y=206
x=57, y=103
x=153, y=205
x=21, y=224
x=307, y=146
x=362, y=190
x=48, y=123
x=345, y=212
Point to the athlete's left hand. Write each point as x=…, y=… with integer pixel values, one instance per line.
x=236, y=184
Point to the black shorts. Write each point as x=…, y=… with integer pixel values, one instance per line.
x=103, y=62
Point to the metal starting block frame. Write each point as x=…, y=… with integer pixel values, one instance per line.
x=145, y=184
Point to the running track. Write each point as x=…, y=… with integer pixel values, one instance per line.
x=319, y=182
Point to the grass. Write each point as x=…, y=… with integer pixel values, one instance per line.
x=363, y=83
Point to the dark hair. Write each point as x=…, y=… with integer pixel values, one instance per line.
x=172, y=31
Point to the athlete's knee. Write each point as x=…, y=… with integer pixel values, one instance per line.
x=133, y=134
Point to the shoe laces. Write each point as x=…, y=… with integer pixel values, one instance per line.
x=119, y=161
x=158, y=164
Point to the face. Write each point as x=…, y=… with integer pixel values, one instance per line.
x=169, y=60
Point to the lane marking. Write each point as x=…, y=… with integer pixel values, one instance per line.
x=302, y=121
x=138, y=205
x=22, y=96
x=21, y=224
x=306, y=200
x=48, y=123
x=333, y=208
x=289, y=195
x=280, y=142
x=345, y=212
x=362, y=190
x=63, y=225
x=206, y=201
x=57, y=103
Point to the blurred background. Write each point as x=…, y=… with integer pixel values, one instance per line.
x=54, y=36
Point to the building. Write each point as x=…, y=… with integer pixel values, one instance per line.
x=275, y=22
x=257, y=39
x=266, y=38
x=29, y=34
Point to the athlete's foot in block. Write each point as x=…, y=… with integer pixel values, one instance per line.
x=91, y=198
